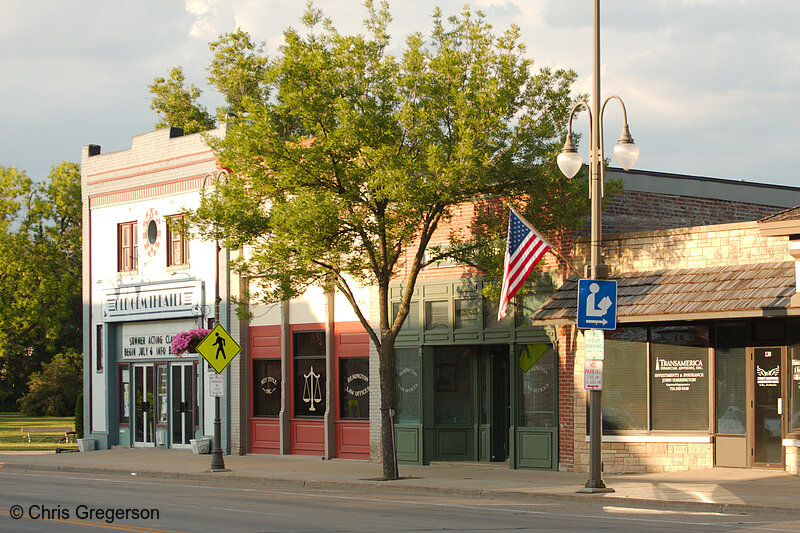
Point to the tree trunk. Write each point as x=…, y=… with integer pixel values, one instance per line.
x=386, y=371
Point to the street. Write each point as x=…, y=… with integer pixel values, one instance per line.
x=74, y=502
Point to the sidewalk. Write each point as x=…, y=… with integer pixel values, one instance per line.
x=715, y=490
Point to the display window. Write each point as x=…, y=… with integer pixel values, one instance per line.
x=354, y=388
x=656, y=379
x=309, y=373
x=406, y=382
x=266, y=387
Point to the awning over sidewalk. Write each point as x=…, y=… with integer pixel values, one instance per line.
x=754, y=290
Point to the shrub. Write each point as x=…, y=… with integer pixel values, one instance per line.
x=53, y=390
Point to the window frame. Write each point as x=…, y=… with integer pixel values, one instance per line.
x=345, y=410
x=179, y=237
x=99, y=349
x=278, y=385
x=123, y=401
x=321, y=383
x=709, y=363
x=128, y=256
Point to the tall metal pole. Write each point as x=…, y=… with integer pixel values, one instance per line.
x=598, y=270
x=217, y=462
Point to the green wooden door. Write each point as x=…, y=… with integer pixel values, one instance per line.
x=535, y=413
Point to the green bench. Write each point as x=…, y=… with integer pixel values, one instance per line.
x=55, y=433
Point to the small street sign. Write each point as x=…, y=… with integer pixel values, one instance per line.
x=597, y=304
x=593, y=375
x=216, y=386
x=218, y=348
x=593, y=344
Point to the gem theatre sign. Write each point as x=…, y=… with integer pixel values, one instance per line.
x=156, y=301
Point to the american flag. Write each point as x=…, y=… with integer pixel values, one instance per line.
x=524, y=248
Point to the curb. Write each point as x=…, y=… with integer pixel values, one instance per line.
x=386, y=487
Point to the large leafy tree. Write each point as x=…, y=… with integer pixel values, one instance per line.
x=40, y=273
x=358, y=156
x=177, y=105
x=237, y=71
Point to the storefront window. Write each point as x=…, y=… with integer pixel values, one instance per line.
x=468, y=313
x=406, y=380
x=794, y=386
x=537, y=385
x=730, y=373
x=453, y=393
x=354, y=387
x=411, y=323
x=124, y=394
x=490, y=309
x=529, y=303
x=679, y=378
x=436, y=315
x=624, y=380
x=266, y=387
x=309, y=373
x=161, y=395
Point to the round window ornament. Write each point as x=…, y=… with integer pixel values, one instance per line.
x=151, y=232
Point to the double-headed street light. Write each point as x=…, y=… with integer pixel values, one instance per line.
x=217, y=462
x=569, y=161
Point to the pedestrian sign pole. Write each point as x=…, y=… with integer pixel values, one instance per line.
x=218, y=348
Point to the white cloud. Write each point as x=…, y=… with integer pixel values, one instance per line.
x=710, y=84
x=212, y=18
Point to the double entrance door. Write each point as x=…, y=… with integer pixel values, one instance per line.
x=468, y=412
x=165, y=404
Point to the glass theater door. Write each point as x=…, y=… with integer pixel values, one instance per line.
x=183, y=403
x=144, y=410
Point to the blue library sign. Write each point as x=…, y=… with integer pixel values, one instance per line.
x=597, y=304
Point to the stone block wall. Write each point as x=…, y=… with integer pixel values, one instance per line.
x=792, y=459
x=694, y=247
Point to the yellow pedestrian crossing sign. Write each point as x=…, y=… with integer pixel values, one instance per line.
x=218, y=348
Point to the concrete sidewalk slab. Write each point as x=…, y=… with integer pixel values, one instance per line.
x=715, y=490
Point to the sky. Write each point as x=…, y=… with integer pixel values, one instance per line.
x=710, y=85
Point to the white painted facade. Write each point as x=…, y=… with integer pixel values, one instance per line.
x=131, y=316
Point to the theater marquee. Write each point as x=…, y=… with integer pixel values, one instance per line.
x=154, y=301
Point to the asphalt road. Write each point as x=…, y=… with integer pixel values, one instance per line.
x=73, y=502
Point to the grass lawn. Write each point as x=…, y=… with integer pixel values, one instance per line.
x=11, y=436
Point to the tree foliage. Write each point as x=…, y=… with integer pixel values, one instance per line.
x=53, y=391
x=237, y=70
x=358, y=156
x=40, y=273
x=177, y=105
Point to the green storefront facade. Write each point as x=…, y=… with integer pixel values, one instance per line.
x=470, y=388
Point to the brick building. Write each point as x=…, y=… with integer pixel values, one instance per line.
x=700, y=370
x=468, y=388
x=530, y=368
